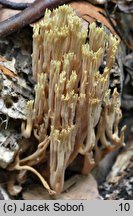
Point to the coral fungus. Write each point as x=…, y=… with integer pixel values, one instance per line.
x=74, y=109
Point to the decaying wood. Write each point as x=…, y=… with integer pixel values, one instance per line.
x=8, y=147
x=12, y=102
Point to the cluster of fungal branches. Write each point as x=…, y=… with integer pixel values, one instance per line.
x=73, y=109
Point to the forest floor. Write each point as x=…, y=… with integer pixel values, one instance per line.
x=115, y=181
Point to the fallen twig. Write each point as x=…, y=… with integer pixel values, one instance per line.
x=14, y=5
x=28, y=16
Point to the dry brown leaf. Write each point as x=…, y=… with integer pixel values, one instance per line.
x=85, y=188
x=91, y=13
x=6, y=13
x=7, y=72
x=88, y=18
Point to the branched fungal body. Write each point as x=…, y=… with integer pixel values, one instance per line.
x=73, y=107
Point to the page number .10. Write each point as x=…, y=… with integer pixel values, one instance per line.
x=124, y=206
